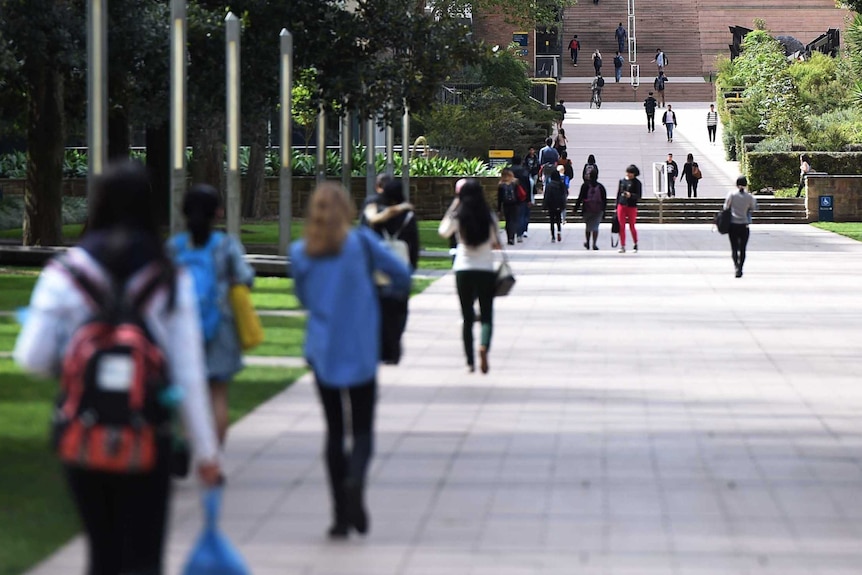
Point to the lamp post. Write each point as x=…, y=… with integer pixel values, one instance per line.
x=321, y=144
x=405, y=152
x=97, y=90
x=285, y=180
x=370, y=176
x=232, y=108
x=346, y=148
x=178, y=112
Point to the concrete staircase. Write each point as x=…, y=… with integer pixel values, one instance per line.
x=696, y=210
x=692, y=34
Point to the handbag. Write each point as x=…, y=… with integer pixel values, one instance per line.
x=248, y=327
x=722, y=221
x=214, y=554
x=695, y=171
x=505, y=279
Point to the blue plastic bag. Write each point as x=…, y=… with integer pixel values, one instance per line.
x=214, y=554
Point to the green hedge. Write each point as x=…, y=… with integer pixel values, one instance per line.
x=780, y=170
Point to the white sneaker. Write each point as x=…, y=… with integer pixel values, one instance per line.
x=623, y=250
x=520, y=240
x=525, y=235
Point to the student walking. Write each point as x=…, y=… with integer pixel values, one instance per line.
x=470, y=218
x=333, y=268
x=507, y=203
x=216, y=261
x=590, y=170
x=119, y=279
x=650, y=104
x=594, y=198
x=597, y=62
x=574, y=47
x=691, y=172
x=660, y=59
x=671, y=169
x=741, y=205
x=658, y=84
x=804, y=169
x=711, y=123
x=525, y=199
x=561, y=143
x=628, y=194
x=555, y=204
x=669, y=121
x=622, y=38
x=618, y=67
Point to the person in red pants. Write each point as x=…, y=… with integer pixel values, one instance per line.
x=628, y=195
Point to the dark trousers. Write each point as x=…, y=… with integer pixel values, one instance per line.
x=473, y=285
x=342, y=466
x=574, y=54
x=671, y=186
x=692, y=187
x=124, y=517
x=711, y=131
x=650, y=121
x=511, y=214
x=801, y=186
x=738, y=235
x=524, y=218
x=556, y=217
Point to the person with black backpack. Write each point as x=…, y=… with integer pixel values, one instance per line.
x=508, y=203
x=555, y=203
x=650, y=104
x=118, y=324
x=594, y=198
x=741, y=205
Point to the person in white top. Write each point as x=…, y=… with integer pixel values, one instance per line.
x=804, y=169
x=741, y=205
x=124, y=512
x=711, y=123
x=471, y=218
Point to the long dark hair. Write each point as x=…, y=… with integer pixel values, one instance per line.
x=200, y=205
x=123, y=228
x=474, y=215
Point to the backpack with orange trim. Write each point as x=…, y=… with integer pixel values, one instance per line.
x=114, y=411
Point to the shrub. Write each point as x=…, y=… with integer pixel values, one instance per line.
x=778, y=170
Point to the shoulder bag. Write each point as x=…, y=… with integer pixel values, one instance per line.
x=505, y=279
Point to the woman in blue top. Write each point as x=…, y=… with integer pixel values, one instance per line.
x=332, y=269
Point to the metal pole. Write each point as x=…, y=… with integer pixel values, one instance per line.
x=178, y=112
x=405, y=152
x=321, y=145
x=232, y=126
x=285, y=180
x=370, y=175
x=346, y=149
x=390, y=146
x=97, y=91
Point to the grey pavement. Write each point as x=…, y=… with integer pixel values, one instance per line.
x=645, y=414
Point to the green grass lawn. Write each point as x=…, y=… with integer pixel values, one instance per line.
x=36, y=515
x=852, y=230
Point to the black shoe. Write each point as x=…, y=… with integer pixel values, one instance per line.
x=338, y=530
x=586, y=245
x=595, y=247
x=356, y=514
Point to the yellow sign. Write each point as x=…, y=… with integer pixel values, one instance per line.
x=507, y=154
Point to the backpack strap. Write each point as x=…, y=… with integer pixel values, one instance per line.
x=403, y=225
x=91, y=291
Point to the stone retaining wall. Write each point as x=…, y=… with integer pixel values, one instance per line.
x=846, y=192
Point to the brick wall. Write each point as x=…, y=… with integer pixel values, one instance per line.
x=494, y=30
x=846, y=192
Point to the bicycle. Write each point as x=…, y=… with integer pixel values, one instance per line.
x=596, y=98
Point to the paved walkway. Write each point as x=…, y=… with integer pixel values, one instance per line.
x=644, y=414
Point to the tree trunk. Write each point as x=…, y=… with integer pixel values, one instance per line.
x=43, y=197
x=118, y=133
x=158, y=158
x=208, y=161
x=253, y=193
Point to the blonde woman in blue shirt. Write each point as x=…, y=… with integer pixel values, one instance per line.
x=332, y=272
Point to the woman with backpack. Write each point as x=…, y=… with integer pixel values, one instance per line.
x=741, y=205
x=216, y=261
x=118, y=284
x=597, y=62
x=628, y=194
x=590, y=170
x=333, y=269
x=594, y=198
x=470, y=219
x=555, y=204
x=691, y=173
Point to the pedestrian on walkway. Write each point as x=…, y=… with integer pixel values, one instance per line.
x=660, y=59
x=332, y=269
x=671, y=169
x=522, y=176
x=622, y=37
x=628, y=194
x=564, y=168
x=597, y=62
x=590, y=170
x=669, y=121
x=548, y=158
x=373, y=211
x=561, y=142
x=555, y=204
x=594, y=198
x=618, y=67
x=532, y=165
x=804, y=169
x=560, y=109
x=650, y=105
x=711, y=123
x=217, y=261
x=741, y=205
x=122, y=503
x=470, y=218
x=691, y=172
x=507, y=203
x=574, y=47
x=658, y=84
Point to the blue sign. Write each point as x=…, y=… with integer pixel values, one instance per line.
x=825, y=211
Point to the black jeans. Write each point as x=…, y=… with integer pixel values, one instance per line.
x=692, y=187
x=511, y=213
x=711, y=131
x=650, y=121
x=342, y=466
x=124, y=516
x=556, y=218
x=738, y=235
x=671, y=185
x=473, y=285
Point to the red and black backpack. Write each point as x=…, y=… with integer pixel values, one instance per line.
x=114, y=413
